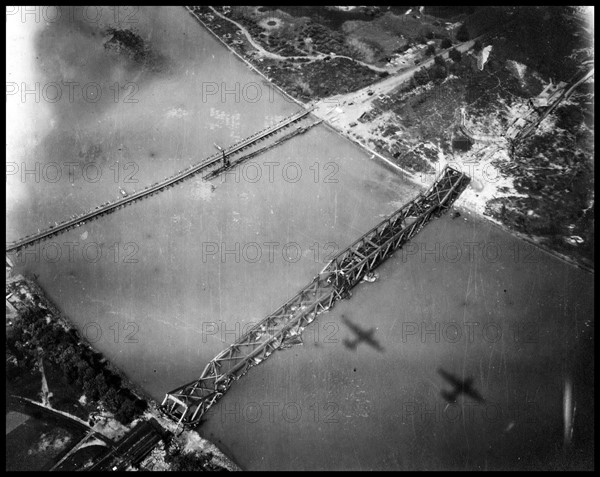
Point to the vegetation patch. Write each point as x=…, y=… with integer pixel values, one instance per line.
x=80, y=369
x=132, y=45
x=320, y=79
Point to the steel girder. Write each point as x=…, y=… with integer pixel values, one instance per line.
x=364, y=255
x=188, y=403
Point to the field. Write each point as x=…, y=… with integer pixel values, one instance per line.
x=318, y=79
x=371, y=36
x=36, y=440
x=315, y=52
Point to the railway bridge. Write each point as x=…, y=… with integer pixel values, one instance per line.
x=219, y=159
x=188, y=403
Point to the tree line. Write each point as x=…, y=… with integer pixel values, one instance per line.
x=81, y=367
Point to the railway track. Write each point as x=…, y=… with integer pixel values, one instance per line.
x=108, y=207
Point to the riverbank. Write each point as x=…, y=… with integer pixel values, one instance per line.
x=26, y=296
x=340, y=113
x=244, y=60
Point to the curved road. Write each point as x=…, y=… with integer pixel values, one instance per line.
x=275, y=56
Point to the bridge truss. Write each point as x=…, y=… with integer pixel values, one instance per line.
x=188, y=403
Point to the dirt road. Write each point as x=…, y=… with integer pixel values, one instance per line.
x=347, y=108
x=274, y=56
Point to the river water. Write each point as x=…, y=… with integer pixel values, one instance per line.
x=162, y=286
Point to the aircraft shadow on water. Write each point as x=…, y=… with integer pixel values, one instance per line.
x=362, y=335
x=460, y=387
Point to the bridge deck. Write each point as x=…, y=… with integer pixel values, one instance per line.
x=211, y=161
x=188, y=403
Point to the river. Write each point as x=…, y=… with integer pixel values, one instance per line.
x=161, y=286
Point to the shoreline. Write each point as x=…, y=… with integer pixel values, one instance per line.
x=461, y=202
x=153, y=410
x=376, y=177
x=250, y=65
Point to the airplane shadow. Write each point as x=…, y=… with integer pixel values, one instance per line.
x=362, y=335
x=460, y=387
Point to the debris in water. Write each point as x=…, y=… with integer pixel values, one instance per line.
x=370, y=277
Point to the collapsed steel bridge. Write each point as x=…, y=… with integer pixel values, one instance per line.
x=188, y=403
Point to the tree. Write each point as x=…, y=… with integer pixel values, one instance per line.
x=69, y=368
x=455, y=55
x=101, y=385
x=16, y=336
x=189, y=462
x=430, y=51
x=89, y=374
x=112, y=399
x=454, y=68
x=569, y=117
x=439, y=72
x=141, y=405
x=82, y=369
x=126, y=412
x=462, y=34
x=477, y=46
x=422, y=76
x=90, y=390
x=439, y=61
x=50, y=337
x=12, y=370
x=446, y=43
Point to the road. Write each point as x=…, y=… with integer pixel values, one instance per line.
x=566, y=93
x=363, y=102
x=274, y=56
